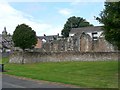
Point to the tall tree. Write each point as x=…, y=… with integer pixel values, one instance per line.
x=74, y=22
x=110, y=17
x=24, y=37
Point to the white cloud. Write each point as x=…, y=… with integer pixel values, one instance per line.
x=65, y=12
x=11, y=17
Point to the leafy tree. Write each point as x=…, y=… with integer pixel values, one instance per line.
x=24, y=37
x=74, y=22
x=110, y=17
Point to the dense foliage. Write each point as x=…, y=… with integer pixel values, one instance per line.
x=24, y=37
x=74, y=22
x=110, y=17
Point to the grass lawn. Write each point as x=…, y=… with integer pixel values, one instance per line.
x=4, y=60
x=101, y=74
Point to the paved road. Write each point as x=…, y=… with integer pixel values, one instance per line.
x=14, y=82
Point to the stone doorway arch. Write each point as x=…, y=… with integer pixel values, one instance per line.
x=85, y=42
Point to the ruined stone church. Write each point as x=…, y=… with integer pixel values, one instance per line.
x=85, y=39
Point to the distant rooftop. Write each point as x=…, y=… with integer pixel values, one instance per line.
x=48, y=37
x=86, y=29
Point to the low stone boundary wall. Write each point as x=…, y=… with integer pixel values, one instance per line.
x=34, y=57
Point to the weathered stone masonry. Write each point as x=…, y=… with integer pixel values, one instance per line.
x=81, y=42
x=85, y=39
x=34, y=57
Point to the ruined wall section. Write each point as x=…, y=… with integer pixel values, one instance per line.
x=35, y=57
x=81, y=42
x=85, y=43
x=101, y=45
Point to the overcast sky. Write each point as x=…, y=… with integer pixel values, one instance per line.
x=46, y=17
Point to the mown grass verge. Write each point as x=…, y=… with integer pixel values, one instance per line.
x=99, y=74
x=4, y=60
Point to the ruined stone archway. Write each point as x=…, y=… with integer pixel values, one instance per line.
x=85, y=42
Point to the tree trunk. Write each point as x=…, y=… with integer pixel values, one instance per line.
x=22, y=57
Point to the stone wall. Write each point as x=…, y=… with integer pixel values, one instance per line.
x=34, y=57
x=79, y=42
x=101, y=45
